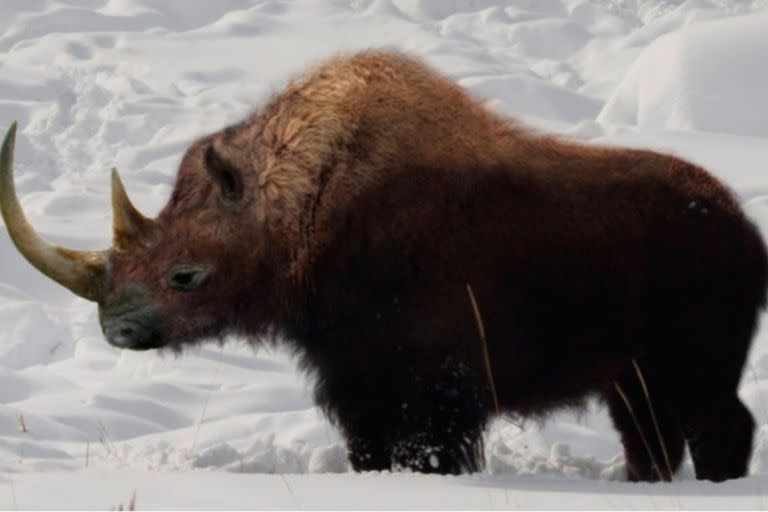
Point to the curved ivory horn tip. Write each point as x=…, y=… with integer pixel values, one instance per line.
x=83, y=272
x=10, y=138
x=11, y=133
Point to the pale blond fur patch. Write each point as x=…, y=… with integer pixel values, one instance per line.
x=341, y=127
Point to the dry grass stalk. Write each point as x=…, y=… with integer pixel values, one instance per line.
x=22, y=423
x=653, y=417
x=760, y=401
x=290, y=490
x=13, y=495
x=204, y=411
x=487, y=360
x=761, y=404
x=484, y=341
x=105, y=440
x=131, y=504
x=639, y=428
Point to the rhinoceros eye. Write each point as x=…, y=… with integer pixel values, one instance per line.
x=188, y=278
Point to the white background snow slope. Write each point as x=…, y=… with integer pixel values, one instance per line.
x=130, y=83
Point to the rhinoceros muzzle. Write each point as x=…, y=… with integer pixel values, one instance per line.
x=131, y=320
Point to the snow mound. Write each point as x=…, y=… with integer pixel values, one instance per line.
x=559, y=461
x=709, y=77
x=262, y=454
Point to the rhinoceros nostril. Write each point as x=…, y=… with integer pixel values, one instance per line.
x=123, y=335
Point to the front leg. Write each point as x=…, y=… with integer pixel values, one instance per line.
x=440, y=452
x=369, y=452
x=401, y=406
x=364, y=421
x=443, y=439
x=442, y=428
x=435, y=427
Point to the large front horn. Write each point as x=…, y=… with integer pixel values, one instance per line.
x=83, y=272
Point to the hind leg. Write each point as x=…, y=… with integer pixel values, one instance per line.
x=717, y=425
x=719, y=435
x=648, y=459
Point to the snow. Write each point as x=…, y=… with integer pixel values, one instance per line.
x=130, y=83
x=100, y=490
x=691, y=80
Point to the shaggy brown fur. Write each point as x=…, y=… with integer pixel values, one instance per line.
x=350, y=213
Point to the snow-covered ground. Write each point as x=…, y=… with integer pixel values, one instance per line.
x=130, y=83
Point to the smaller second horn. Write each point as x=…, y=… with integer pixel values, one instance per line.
x=131, y=229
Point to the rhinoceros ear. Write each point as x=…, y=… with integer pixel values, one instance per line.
x=224, y=174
